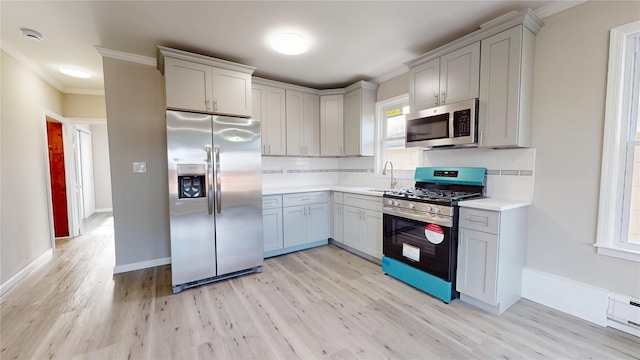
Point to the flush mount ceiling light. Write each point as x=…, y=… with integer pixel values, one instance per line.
x=289, y=44
x=77, y=73
x=32, y=34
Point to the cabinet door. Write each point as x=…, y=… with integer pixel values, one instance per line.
x=311, y=125
x=275, y=121
x=272, y=229
x=460, y=74
x=231, y=92
x=188, y=85
x=372, y=233
x=258, y=112
x=336, y=229
x=331, y=125
x=295, y=129
x=293, y=219
x=351, y=226
x=477, y=265
x=500, y=88
x=352, y=115
x=424, y=85
x=317, y=219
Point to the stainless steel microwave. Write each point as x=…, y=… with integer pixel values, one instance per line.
x=451, y=125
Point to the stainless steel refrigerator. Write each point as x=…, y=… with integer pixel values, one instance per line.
x=215, y=197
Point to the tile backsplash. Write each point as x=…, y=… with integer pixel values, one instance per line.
x=510, y=172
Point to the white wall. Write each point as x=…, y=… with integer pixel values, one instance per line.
x=568, y=119
x=137, y=132
x=101, y=170
x=24, y=225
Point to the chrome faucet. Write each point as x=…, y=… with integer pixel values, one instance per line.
x=384, y=172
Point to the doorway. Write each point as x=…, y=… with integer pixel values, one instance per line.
x=55, y=142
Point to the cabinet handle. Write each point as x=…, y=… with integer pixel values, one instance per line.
x=435, y=94
x=215, y=105
x=481, y=137
x=483, y=222
x=269, y=152
x=206, y=104
x=444, y=95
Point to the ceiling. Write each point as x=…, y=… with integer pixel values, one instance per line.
x=349, y=40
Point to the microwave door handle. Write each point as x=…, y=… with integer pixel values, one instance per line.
x=451, y=127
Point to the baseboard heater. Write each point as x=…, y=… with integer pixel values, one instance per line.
x=623, y=313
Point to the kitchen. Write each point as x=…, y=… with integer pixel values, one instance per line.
x=566, y=167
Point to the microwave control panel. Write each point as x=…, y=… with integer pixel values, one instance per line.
x=462, y=123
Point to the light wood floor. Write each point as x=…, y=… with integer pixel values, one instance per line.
x=319, y=303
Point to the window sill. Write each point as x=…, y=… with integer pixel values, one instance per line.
x=618, y=252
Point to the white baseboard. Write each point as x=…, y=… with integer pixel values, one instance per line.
x=578, y=299
x=141, y=265
x=104, y=210
x=24, y=272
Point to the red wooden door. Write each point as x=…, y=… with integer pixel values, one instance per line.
x=58, y=183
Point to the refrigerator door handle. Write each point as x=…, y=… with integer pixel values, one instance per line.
x=218, y=178
x=209, y=176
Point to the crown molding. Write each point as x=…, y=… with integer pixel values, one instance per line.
x=79, y=91
x=391, y=74
x=124, y=56
x=556, y=7
x=31, y=66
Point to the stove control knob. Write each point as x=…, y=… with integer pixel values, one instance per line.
x=428, y=208
x=389, y=202
x=412, y=206
x=396, y=203
x=436, y=209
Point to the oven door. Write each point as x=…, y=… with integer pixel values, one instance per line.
x=422, y=245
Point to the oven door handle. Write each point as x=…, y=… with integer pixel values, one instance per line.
x=422, y=217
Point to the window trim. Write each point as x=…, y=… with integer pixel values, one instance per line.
x=614, y=147
x=378, y=153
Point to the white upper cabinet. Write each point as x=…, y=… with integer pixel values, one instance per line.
x=506, y=83
x=303, y=123
x=200, y=83
x=359, y=119
x=447, y=79
x=331, y=125
x=269, y=108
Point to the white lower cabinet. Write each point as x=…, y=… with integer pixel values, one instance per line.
x=336, y=219
x=362, y=224
x=305, y=224
x=272, y=222
x=491, y=257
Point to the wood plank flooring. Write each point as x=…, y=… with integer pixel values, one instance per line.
x=315, y=304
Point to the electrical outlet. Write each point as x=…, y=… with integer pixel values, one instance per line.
x=139, y=167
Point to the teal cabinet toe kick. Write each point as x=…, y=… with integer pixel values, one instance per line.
x=421, y=280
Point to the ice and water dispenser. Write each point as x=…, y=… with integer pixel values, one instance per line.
x=192, y=181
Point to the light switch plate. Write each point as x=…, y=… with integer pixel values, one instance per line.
x=139, y=167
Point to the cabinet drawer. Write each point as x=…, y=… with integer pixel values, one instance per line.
x=363, y=201
x=271, y=201
x=337, y=197
x=305, y=198
x=481, y=220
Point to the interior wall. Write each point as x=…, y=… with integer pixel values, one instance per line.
x=101, y=170
x=393, y=87
x=24, y=230
x=84, y=106
x=137, y=133
x=568, y=120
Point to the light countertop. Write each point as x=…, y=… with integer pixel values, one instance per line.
x=494, y=204
x=368, y=190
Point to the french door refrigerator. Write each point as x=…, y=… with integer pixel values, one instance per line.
x=215, y=197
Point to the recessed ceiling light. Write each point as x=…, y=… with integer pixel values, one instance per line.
x=289, y=44
x=32, y=34
x=77, y=73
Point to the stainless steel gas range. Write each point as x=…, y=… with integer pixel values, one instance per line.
x=420, y=226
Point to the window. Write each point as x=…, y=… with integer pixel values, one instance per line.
x=619, y=210
x=390, y=134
